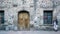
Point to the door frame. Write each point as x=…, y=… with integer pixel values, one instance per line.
x=23, y=11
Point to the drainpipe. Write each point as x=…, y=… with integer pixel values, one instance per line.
x=53, y=7
x=35, y=6
x=23, y=4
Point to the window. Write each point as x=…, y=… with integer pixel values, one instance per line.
x=48, y=17
x=1, y=16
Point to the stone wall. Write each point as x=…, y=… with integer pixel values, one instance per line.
x=35, y=8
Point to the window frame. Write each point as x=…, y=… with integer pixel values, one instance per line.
x=47, y=11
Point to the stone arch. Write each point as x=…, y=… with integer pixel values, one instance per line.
x=24, y=11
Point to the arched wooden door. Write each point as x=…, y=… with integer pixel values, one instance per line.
x=23, y=20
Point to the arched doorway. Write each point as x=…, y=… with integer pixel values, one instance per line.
x=23, y=19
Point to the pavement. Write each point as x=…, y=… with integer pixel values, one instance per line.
x=29, y=32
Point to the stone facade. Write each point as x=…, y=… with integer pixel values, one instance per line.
x=34, y=7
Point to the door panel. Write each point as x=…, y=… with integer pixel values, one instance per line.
x=24, y=20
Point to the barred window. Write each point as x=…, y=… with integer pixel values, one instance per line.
x=48, y=17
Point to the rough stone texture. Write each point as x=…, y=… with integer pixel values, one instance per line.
x=35, y=8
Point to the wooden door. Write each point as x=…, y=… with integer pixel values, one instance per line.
x=23, y=20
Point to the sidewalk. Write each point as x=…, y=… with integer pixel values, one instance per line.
x=29, y=32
